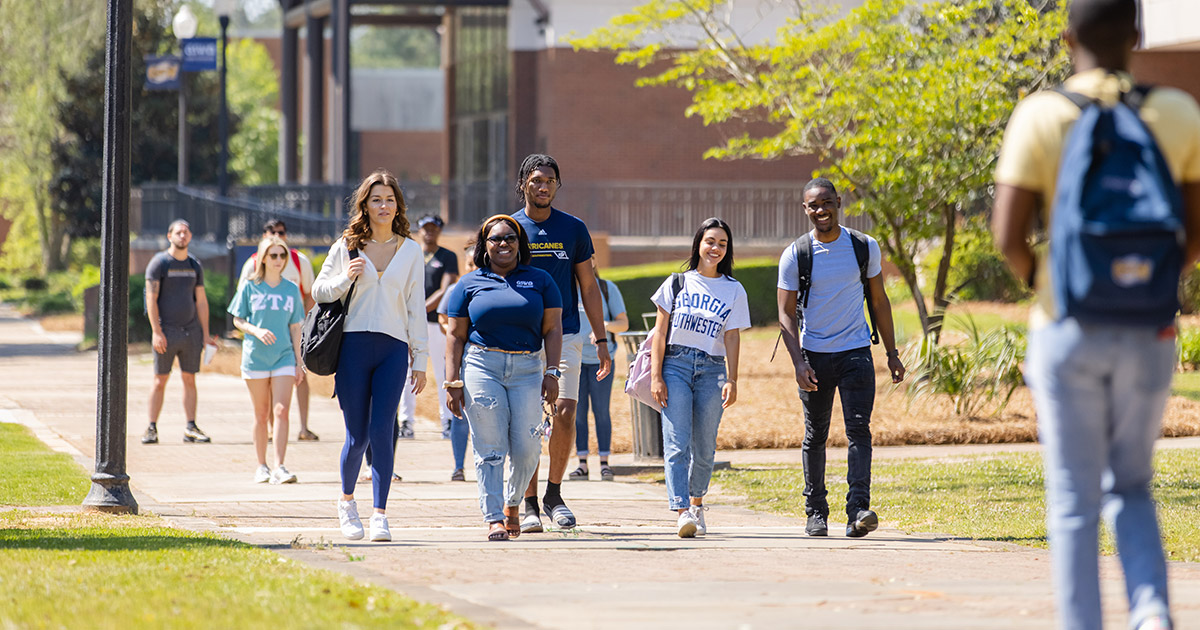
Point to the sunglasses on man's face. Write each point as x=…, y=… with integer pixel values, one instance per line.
x=279, y=232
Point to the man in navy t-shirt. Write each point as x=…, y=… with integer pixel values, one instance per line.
x=562, y=247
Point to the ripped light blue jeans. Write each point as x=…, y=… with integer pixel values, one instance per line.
x=690, y=421
x=502, y=396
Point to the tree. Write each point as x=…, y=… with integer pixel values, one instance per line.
x=904, y=103
x=77, y=153
x=253, y=97
x=32, y=45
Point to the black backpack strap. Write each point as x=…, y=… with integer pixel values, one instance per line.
x=862, y=254
x=803, y=247
x=1080, y=101
x=676, y=287
x=1135, y=97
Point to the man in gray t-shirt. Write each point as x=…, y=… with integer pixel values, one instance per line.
x=833, y=354
x=178, y=310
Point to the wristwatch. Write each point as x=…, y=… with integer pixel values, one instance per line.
x=554, y=373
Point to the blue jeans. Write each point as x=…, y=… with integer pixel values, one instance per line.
x=372, y=368
x=852, y=374
x=502, y=397
x=690, y=421
x=458, y=440
x=1100, y=393
x=599, y=393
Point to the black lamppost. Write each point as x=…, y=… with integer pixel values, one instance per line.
x=223, y=9
x=184, y=24
x=110, y=484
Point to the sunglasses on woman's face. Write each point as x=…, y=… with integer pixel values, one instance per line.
x=276, y=256
x=507, y=238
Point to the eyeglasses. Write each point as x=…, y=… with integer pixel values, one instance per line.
x=507, y=238
x=274, y=256
x=277, y=232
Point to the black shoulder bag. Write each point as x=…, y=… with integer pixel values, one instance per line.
x=321, y=339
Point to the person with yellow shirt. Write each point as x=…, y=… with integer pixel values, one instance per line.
x=1100, y=388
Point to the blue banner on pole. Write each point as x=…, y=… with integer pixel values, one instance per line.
x=199, y=54
x=162, y=72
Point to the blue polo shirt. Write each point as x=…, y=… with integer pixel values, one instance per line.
x=558, y=244
x=505, y=312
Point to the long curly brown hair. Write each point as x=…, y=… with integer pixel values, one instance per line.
x=359, y=230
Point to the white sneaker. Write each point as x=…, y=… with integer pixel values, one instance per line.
x=698, y=513
x=351, y=525
x=262, y=475
x=687, y=525
x=281, y=475
x=379, y=528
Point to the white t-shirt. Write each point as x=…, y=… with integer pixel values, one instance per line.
x=704, y=309
x=834, y=320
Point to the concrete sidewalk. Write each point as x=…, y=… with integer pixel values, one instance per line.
x=624, y=567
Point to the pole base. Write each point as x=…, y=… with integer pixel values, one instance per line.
x=110, y=494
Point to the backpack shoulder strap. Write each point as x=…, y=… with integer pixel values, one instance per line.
x=862, y=254
x=803, y=246
x=1136, y=96
x=676, y=287
x=1080, y=101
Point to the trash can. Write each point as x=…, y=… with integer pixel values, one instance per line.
x=647, y=423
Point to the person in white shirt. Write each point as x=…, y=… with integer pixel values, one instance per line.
x=298, y=270
x=384, y=332
x=688, y=370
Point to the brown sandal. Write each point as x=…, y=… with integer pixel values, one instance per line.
x=512, y=521
x=496, y=531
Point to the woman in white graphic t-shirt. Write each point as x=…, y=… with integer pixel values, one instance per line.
x=696, y=334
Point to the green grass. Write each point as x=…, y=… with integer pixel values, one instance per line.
x=31, y=474
x=130, y=572
x=996, y=498
x=1187, y=384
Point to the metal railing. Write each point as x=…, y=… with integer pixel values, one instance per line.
x=317, y=213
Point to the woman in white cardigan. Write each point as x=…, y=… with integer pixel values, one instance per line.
x=384, y=332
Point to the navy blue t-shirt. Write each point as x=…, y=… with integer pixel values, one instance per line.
x=505, y=312
x=558, y=244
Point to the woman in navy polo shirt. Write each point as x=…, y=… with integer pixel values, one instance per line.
x=502, y=353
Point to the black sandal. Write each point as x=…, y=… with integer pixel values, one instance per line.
x=606, y=472
x=577, y=474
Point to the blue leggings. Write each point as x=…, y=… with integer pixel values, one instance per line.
x=372, y=369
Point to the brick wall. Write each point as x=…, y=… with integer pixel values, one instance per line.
x=601, y=127
x=1180, y=69
x=409, y=155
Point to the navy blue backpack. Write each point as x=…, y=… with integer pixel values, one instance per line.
x=1117, y=229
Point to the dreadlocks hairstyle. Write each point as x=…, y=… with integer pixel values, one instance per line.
x=724, y=267
x=822, y=183
x=359, y=230
x=1101, y=25
x=531, y=164
x=481, y=259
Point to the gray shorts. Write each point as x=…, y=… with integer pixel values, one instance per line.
x=572, y=358
x=185, y=343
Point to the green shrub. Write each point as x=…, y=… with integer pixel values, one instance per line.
x=48, y=303
x=1189, y=348
x=977, y=270
x=984, y=369
x=33, y=283
x=637, y=283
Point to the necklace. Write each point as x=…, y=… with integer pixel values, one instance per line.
x=383, y=242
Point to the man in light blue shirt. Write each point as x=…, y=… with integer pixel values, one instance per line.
x=832, y=352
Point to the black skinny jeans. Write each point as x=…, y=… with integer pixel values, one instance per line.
x=852, y=374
